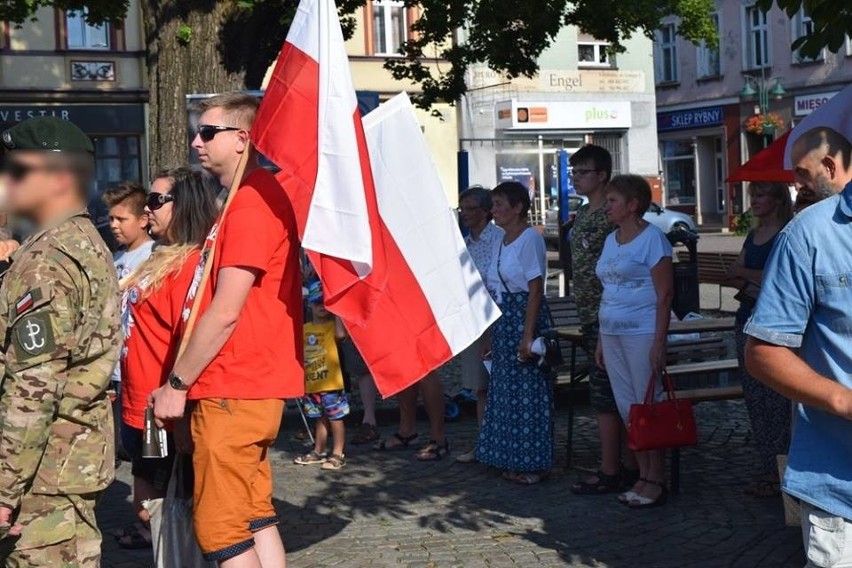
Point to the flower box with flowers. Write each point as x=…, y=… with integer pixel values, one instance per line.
x=766, y=124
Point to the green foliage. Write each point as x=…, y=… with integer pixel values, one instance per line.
x=184, y=34
x=832, y=23
x=743, y=223
x=506, y=35
x=99, y=11
x=509, y=36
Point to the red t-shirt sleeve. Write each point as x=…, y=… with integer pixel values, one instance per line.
x=253, y=235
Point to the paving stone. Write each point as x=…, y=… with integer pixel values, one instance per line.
x=388, y=510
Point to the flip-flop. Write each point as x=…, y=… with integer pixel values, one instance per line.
x=405, y=443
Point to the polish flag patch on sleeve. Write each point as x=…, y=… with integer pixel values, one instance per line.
x=27, y=301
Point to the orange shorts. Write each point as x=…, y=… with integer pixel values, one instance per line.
x=233, y=477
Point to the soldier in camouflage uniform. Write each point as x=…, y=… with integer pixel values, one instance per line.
x=591, y=171
x=59, y=315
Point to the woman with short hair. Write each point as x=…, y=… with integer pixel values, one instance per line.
x=636, y=271
x=475, y=212
x=517, y=428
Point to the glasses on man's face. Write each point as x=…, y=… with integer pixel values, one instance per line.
x=208, y=132
x=579, y=172
x=18, y=171
x=155, y=200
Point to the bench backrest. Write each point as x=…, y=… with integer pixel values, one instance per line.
x=713, y=266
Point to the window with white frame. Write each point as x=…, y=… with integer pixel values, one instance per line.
x=390, y=26
x=82, y=35
x=757, y=38
x=592, y=52
x=709, y=59
x=803, y=25
x=665, y=59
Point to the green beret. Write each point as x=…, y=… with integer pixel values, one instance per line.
x=47, y=133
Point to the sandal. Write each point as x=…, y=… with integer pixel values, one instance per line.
x=334, y=462
x=509, y=475
x=605, y=485
x=402, y=443
x=531, y=478
x=311, y=458
x=365, y=435
x=642, y=502
x=433, y=451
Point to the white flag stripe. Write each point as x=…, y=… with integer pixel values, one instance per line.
x=304, y=31
x=835, y=113
x=414, y=207
x=337, y=224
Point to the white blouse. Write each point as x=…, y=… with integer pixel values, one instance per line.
x=515, y=265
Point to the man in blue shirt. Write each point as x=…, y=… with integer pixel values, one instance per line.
x=806, y=305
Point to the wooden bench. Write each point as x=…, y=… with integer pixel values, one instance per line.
x=713, y=269
x=717, y=391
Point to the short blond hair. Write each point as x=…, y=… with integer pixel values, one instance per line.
x=239, y=106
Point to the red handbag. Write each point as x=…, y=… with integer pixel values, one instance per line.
x=656, y=425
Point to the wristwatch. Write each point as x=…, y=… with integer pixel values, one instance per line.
x=177, y=383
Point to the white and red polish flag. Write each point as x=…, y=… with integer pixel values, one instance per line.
x=372, y=214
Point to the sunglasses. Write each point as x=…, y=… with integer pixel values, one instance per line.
x=155, y=201
x=18, y=171
x=208, y=132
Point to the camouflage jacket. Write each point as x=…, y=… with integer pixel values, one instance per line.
x=587, y=241
x=59, y=309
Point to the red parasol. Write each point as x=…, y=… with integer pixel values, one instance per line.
x=766, y=165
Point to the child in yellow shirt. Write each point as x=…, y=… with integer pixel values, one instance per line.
x=324, y=397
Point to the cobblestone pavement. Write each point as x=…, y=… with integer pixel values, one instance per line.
x=386, y=509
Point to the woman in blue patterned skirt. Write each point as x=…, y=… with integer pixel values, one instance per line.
x=517, y=429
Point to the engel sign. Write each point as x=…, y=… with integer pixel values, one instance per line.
x=523, y=115
x=806, y=104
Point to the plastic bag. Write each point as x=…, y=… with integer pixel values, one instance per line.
x=172, y=530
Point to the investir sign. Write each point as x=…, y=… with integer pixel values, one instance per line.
x=693, y=118
x=563, y=115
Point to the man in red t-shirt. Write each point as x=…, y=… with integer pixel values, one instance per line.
x=244, y=355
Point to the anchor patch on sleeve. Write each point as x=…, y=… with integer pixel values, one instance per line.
x=34, y=335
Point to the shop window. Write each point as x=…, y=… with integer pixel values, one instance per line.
x=665, y=59
x=592, y=52
x=116, y=159
x=390, y=26
x=82, y=35
x=803, y=26
x=757, y=38
x=679, y=171
x=709, y=59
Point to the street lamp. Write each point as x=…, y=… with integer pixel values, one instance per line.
x=765, y=88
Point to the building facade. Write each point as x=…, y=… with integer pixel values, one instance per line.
x=58, y=65
x=382, y=26
x=711, y=101
x=515, y=129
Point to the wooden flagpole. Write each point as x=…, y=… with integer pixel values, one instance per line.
x=209, y=252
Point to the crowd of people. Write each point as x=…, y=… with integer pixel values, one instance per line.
x=79, y=321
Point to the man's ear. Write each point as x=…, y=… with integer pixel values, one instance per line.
x=243, y=141
x=830, y=164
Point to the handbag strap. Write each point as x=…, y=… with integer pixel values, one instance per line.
x=499, y=272
x=668, y=386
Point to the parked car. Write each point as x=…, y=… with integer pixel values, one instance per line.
x=551, y=220
x=667, y=220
